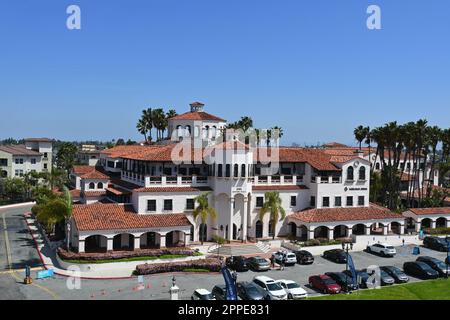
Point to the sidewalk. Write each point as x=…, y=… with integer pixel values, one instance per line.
x=50, y=261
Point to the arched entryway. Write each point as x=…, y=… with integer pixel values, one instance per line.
x=359, y=229
x=441, y=222
x=235, y=231
x=292, y=227
x=302, y=234
x=376, y=229
x=95, y=243
x=340, y=232
x=395, y=227
x=425, y=223
x=175, y=239
x=259, y=229
x=321, y=232
x=123, y=241
x=150, y=240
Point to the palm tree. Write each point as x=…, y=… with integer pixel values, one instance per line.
x=280, y=132
x=159, y=122
x=273, y=205
x=170, y=114
x=67, y=214
x=245, y=123
x=142, y=128
x=360, y=134
x=434, y=137
x=147, y=118
x=203, y=210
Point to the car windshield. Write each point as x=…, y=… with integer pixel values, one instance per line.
x=261, y=261
x=394, y=270
x=292, y=285
x=425, y=267
x=274, y=286
x=328, y=281
x=389, y=247
x=207, y=296
x=384, y=273
x=441, y=265
x=252, y=290
x=291, y=255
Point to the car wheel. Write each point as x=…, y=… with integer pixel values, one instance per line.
x=382, y=254
x=369, y=250
x=290, y=297
x=324, y=291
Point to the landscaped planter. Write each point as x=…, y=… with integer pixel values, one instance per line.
x=212, y=265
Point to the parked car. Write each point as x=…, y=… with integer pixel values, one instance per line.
x=273, y=289
x=304, y=257
x=220, y=292
x=420, y=270
x=202, y=294
x=293, y=289
x=385, y=278
x=258, y=264
x=324, y=283
x=362, y=277
x=436, y=264
x=288, y=258
x=345, y=281
x=396, y=273
x=250, y=291
x=383, y=249
x=237, y=263
x=435, y=243
x=336, y=255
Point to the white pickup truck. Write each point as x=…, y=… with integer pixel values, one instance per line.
x=383, y=249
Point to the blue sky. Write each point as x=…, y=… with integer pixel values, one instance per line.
x=311, y=67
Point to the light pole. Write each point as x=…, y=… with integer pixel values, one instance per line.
x=447, y=262
x=68, y=237
x=346, y=246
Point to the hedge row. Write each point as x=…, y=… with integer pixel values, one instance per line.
x=437, y=231
x=111, y=255
x=209, y=264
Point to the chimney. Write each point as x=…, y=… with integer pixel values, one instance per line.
x=197, y=106
x=359, y=153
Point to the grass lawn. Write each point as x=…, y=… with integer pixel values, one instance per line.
x=426, y=290
x=143, y=258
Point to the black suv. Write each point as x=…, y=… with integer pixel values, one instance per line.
x=436, y=264
x=336, y=255
x=435, y=243
x=304, y=257
x=344, y=280
x=237, y=263
x=250, y=291
x=420, y=270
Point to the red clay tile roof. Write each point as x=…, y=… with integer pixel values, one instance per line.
x=120, y=151
x=174, y=189
x=115, y=217
x=80, y=170
x=373, y=212
x=280, y=187
x=430, y=211
x=124, y=184
x=75, y=193
x=95, y=174
x=118, y=191
x=93, y=194
x=197, y=115
x=19, y=150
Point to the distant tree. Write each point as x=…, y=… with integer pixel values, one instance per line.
x=120, y=142
x=66, y=156
x=203, y=211
x=274, y=206
x=130, y=142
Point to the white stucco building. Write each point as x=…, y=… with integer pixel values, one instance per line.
x=143, y=196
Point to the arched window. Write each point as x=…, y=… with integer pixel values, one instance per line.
x=206, y=132
x=243, y=170
x=350, y=173
x=236, y=171
x=227, y=170
x=196, y=131
x=377, y=166
x=362, y=173
x=91, y=185
x=100, y=185
x=179, y=131
x=187, y=131
x=219, y=170
x=214, y=132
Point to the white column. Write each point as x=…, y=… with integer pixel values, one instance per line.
x=230, y=220
x=80, y=246
x=109, y=244
x=433, y=224
x=385, y=230
x=418, y=226
x=402, y=229
x=367, y=230
x=244, y=221
x=162, y=241
x=349, y=232
x=137, y=242
x=186, y=239
x=310, y=234
x=448, y=223
x=330, y=234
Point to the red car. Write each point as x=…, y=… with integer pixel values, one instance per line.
x=324, y=284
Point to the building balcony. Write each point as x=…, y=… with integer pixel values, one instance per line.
x=175, y=181
x=326, y=179
x=277, y=180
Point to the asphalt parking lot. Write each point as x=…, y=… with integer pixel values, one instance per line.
x=156, y=286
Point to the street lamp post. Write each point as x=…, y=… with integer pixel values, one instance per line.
x=346, y=246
